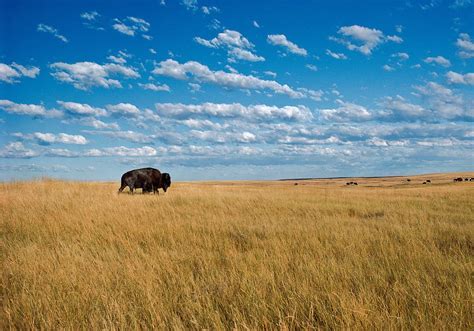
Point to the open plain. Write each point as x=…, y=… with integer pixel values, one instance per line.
x=385, y=254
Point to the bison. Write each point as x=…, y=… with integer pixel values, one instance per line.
x=148, y=179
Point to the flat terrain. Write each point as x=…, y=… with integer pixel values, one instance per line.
x=386, y=254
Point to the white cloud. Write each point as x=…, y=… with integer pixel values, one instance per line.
x=401, y=56
x=346, y=112
x=51, y=138
x=312, y=67
x=131, y=25
x=270, y=73
x=154, y=87
x=49, y=29
x=386, y=67
x=281, y=40
x=438, y=60
x=11, y=73
x=81, y=109
x=238, y=47
x=90, y=16
x=124, y=109
x=117, y=59
x=461, y=3
x=194, y=87
x=465, y=46
x=399, y=108
x=362, y=39
x=85, y=75
x=121, y=151
x=28, y=109
x=338, y=56
x=444, y=103
x=243, y=54
x=190, y=4
x=399, y=28
x=97, y=124
x=202, y=73
x=152, y=51
x=457, y=78
x=16, y=150
x=132, y=136
x=251, y=112
x=209, y=9
x=255, y=24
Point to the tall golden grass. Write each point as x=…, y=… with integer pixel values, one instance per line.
x=386, y=254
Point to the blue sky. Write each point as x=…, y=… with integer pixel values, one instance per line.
x=235, y=89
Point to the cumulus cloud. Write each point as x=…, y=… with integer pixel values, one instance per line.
x=457, y=78
x=238, y=47
x=16, y=150
x=255, y=24
x=337, y=56
x=202, y=73
x=190, y=4
x=132, y=25
x=281, y=40
x=243, y=54
x=94, y=123
x=121, y=151
x=85, y=75
x=49, y=29
x=51, y=138
x=207, y=10
x=386, y=67
x=444, y=102
x=399, y=108
x=81, y=109
x=465, y=46
x=132, y=136
x=362, y=39
x=28, y=109
x=13, y=72
x=123, y=109
x=155, y=87
x=442, y=61
x=346, y=112
x=401, y=56
x=90, y=16
x=312, y=67
x=251, y=112
x=224, y=137
x=117, y=59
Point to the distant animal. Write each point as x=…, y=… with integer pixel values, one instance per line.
x=424, y=182
x=296, y=184
x=351, y=183
x=459, y=179
x=428, y=180
x=408, y=180
x=466, y=179
x=148, y=179
x=472, y=179
x=355, y=183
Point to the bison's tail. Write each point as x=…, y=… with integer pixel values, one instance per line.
x=122, y=185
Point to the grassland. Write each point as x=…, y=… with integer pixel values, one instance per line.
x=386, y=254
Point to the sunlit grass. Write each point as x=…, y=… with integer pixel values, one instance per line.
x=320, y=254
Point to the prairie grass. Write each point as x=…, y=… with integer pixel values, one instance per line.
x=386, y=254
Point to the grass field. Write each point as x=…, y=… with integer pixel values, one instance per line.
x=385, y=254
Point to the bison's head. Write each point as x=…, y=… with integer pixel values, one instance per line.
x=166, y=180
